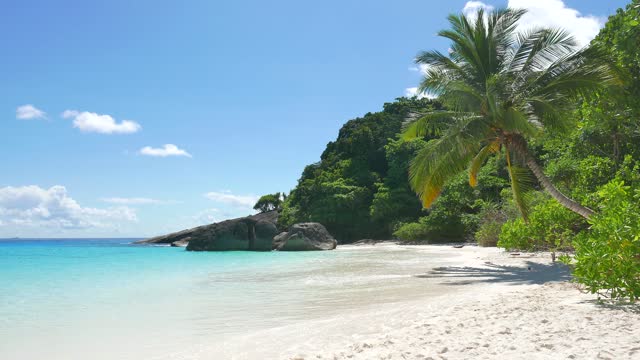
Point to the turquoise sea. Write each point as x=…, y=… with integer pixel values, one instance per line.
x=109, y=299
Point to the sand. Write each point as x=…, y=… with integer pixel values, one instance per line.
x=498, y=307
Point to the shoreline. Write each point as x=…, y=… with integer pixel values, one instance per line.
x=498, y=307
x=367, y=301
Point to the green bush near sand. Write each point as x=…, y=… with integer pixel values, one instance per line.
x=607, y=256
x=550, y=227
x=492, y=217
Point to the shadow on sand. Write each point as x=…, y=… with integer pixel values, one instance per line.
x=531, y=273
x=627, y=307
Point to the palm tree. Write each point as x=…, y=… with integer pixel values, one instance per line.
x=503, y=87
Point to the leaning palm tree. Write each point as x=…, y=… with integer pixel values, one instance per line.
x=503, y=87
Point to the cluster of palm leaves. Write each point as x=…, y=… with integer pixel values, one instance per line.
x=502, y=86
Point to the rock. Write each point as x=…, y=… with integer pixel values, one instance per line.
x=305, y=237
x=254, y=233
x=181, y=243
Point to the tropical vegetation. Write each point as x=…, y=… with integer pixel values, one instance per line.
x=270, y=202
x=502, y=88
x=529, y=143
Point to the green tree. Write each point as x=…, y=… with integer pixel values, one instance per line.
x=502, y=88
x=269, y=202
x=606, y=141
x=607, y=257
x=352, y=190
x=394, y=202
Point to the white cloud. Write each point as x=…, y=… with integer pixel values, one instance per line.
x=208, y=216
x=103, y=124
x=550, y=13
x=240, y=201
x=554, y=13
x=411, y=92
x=472, y=7
x=421, y=68
x=29, y=112
x=132, y=201
x=33, y=206
x=166, y=150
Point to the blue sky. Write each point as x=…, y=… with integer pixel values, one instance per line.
x=244, y=93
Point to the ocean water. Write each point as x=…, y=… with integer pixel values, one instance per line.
x=109, y=299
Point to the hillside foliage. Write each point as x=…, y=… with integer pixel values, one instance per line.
x=361, y=187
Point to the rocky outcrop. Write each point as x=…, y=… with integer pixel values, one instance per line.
x=305, y=237
x=254, y=233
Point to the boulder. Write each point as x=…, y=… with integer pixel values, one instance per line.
x=254, y=233
x=305, y=237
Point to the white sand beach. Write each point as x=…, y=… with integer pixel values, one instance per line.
x=497, y=306
x=382, y=301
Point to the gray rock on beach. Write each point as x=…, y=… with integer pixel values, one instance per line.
x=305, y=237
x=252, y=233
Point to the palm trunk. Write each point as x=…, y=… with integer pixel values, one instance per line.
x=554, y=192
x=521, y=146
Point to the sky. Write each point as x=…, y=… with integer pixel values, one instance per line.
x=137, y=118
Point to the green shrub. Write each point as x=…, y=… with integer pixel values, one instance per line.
x=514, y=235
x=438, y=226
x=488, y=234
x=412, y=232
x=550, y=227
x=491, y=218
x=607, y=258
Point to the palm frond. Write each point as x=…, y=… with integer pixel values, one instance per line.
x=553, y=117
x=502, y=24
x=445, y=157
x=432, y=123
x=435, y=58
x=515, y=121
x=573, y=75
x=479, y=160
x=521, y=186
x=537, y=49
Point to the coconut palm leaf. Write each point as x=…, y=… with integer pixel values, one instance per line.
x=432, y=123
x=444, y=158
x=521, y=186
x=479, y=160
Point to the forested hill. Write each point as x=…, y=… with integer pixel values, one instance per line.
x=580, y=138
x=360, y=188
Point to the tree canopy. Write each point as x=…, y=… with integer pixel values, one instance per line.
x=269, y=202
